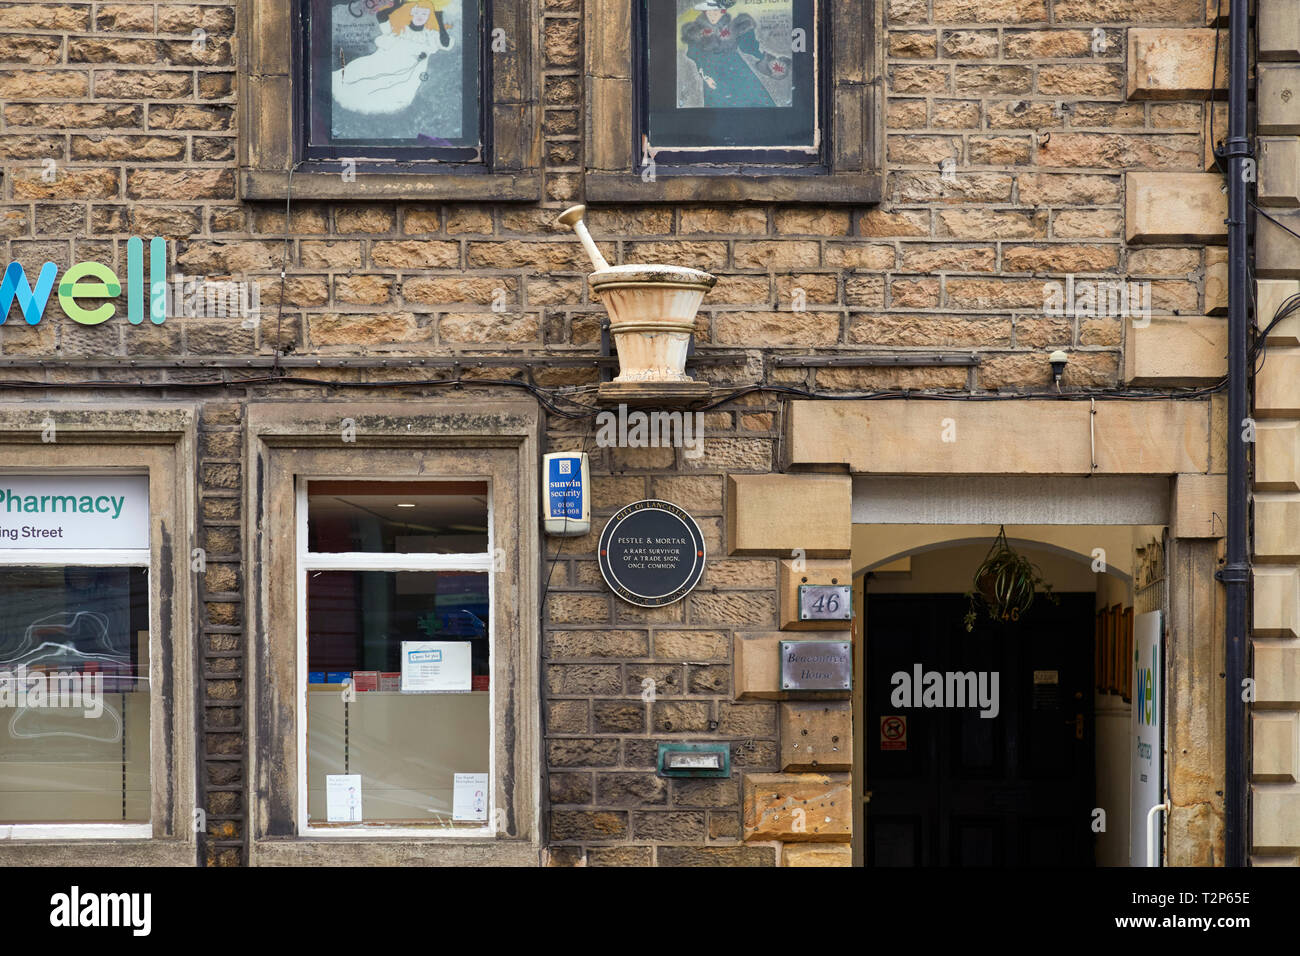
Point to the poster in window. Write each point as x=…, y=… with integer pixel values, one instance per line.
x=727, y=74
x=394, y=74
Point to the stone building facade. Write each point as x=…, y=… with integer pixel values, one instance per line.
x=1005, y=144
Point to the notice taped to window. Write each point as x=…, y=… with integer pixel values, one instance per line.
x=343, y=797
x=469, y=797
x=436, y=667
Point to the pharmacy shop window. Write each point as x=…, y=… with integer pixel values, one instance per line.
x=75, y=674
x=396, y=624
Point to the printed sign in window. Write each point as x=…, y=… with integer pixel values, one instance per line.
x=435, y=666
x=469, y=800
x=343, y=797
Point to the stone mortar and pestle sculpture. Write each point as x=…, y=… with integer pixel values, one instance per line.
x=652, y=311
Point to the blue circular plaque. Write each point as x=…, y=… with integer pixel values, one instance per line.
x=651, y=553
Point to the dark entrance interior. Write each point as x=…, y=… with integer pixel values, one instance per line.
x=966, y=790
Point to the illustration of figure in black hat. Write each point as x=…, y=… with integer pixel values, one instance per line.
x=714, y=43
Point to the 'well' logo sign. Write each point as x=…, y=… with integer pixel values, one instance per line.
x=1144, y=695
x=92, y=280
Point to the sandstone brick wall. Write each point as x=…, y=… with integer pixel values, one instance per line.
x=115, y=125
x=619, y=679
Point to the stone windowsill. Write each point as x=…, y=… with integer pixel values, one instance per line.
x=319, y=184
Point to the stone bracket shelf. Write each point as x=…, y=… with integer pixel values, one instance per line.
x=660, y=394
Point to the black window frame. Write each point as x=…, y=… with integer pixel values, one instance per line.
x=851, y=170
x=410, y=158
x=272, y=122
x=739, y=159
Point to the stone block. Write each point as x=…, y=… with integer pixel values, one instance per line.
x=1174, y=207
x=1276, y=745
x=1269, y=296
x=1275, y=815
x=1278, y=29
x=1277, y=456
x=813, y=572
x=1176, y=350
x=1277, y=250
x=1277, y=385
x=1033, y=437
x=817, y=854
x=1200, y=506
x=1214, y=127
x=1279, y=171
x=817, y=737
x=1277, y=527
x=1277, y=601
x=757, y=671
x=776, y=514
x=1277, y=92
x=1174, y=64
x=798, y=808
x=1277, y=675
x=715, y=856
x=1216, y=280
x=1274, y=859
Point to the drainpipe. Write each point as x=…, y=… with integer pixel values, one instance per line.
x=1236, y=572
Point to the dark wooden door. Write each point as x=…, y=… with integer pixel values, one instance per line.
x=964, y=790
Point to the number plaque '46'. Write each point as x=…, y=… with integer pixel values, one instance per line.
x=825, y=602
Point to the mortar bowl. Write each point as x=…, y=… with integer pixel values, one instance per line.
x=652, y=312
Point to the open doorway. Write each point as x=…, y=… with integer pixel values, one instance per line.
x=1005, y=778
x=995, y=746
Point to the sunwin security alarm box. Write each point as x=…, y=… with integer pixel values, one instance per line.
x=566, y=495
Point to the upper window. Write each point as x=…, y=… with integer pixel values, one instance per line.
x=406, y=99
x=732, y=100
x=394, y=78
x=731, y=81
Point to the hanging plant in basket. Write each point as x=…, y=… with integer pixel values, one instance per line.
x=1005, y=583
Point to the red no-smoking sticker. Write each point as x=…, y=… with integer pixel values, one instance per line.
x=893, y=732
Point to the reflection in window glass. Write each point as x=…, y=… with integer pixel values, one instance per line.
x=357, y=620
x=398, y=659
x=401, y=517
x=394, y=75
x=74, y=695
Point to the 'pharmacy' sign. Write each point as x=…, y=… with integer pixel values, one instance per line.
x=98, y=512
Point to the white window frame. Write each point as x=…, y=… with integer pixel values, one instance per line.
x=390, y=561
x=97, y=558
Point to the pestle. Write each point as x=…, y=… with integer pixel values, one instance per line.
x=573, y=217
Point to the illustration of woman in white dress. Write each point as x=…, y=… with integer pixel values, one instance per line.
x=387, y=80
